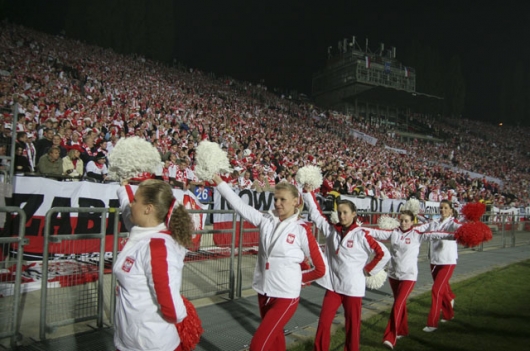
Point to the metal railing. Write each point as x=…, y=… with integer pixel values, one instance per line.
x=83, y=298
x=69, y=297
x=10, y=292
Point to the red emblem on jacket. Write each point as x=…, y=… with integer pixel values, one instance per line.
x=350, y=244
x=127, y=265
x=407, y=241
x=290, y=238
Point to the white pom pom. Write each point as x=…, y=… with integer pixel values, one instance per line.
x=387, y=222
x=131, y=157
x=334, y=217
x=310, y=176
x=376, y=281
x=413, y=205
x=210, y=160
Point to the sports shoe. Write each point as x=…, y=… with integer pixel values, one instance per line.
x=400, y=336
x=429, y=329
x=446, y=320
x=388, y=345
x=453, y=303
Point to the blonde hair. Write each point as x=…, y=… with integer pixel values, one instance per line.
x=160, y=195
x=288, y=187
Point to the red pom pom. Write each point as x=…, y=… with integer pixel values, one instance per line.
x=488, y=235
x=472, y=234
x=473, y=211
x=190, y=329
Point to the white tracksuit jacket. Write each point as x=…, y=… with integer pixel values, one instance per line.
x=149, y=277
x=405, y=248
x=442, y=251
x=283, y=245
x=347, y=258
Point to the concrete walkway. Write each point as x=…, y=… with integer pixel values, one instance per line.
x=229, y=325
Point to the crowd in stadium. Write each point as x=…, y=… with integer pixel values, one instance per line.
x=81, y=99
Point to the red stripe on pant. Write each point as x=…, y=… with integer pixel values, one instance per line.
x=352, y=315
x=398, y=322
x=441, y=294
x=275, y=313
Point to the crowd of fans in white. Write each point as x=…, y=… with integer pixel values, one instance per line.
x=82, y=99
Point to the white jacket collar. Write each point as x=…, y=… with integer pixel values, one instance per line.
x=138, y=233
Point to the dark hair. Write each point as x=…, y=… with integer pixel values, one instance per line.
x=410, y=214
x=450, y=204
x=348, y=203
x=52, y=148
x=160, y=195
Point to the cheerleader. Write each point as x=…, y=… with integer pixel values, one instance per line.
x=405, y=244
x=284, y=242
x=348, y=249
x=443, y=254
x=149, y=269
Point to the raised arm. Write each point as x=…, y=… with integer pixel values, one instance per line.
x=247, y=212
x=126, y=196
x=436, y=235
x=420, y=228
x=316, y=214
x=380, y=234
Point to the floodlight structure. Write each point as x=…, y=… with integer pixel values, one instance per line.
x=359, y=81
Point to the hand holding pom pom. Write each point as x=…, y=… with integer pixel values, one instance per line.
x=310, y=176
x=387, y=222
x=190, y=329
x=334, y=217
x=133, y=157
x=376, y=281
x=473, y=232
x=211, y=160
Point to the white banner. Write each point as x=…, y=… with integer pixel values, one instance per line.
x=399, y=151
x=37, y=195
x=265, y=201
x=261, y=201
x=360, y=135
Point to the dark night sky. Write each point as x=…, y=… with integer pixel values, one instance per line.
x=285, y=42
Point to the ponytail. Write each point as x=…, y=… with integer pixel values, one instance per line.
x=181, y=226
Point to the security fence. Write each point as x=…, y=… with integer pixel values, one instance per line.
x=79, y=286
x=11, y=277
x=76, y=291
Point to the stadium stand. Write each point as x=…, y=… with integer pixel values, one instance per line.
x=92, y=96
